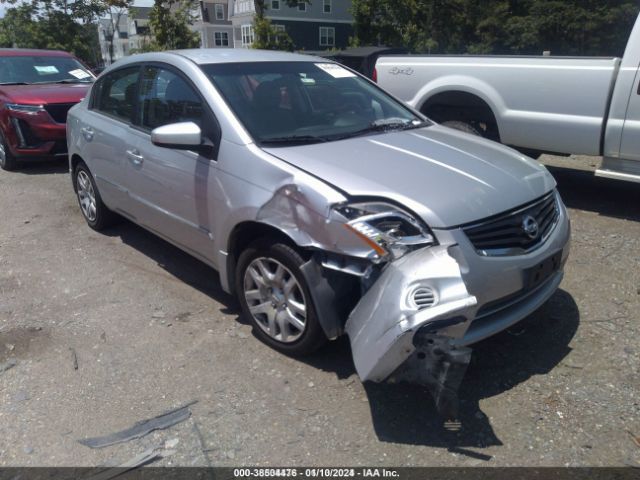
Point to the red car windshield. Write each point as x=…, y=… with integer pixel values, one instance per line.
x=42, y=69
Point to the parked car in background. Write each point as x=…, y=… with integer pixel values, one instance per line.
x=326, y=205
x=563, y=105
x=37, y=89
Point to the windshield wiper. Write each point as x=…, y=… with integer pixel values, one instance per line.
x=293, y=139
x=386, y=125
x=14, y=83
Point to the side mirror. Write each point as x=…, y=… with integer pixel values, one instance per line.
x=183, y=136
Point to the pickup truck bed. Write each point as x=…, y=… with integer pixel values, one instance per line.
x=527, y=95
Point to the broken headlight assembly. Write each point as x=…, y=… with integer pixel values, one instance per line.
x=388, y=230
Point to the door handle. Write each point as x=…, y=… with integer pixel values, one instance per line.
x=87, y=133
x=135, y=157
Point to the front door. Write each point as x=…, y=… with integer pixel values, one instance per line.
x=170, y=187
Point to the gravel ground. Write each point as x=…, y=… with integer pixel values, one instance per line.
x=151, y=330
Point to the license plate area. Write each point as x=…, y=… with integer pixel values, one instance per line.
x=536, y=275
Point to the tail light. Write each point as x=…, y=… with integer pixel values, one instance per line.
x=374, y=77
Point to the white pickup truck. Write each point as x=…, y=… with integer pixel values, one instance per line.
x=561, y=105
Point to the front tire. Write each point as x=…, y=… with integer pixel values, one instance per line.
x=93, y=209
x=275, y=297
x=7, y=160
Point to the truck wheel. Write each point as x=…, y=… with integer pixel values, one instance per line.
x=7, y=160
x=94, y=211
x=462, y=126
x=275, y=297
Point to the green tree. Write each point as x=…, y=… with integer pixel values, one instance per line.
x=565, y=27
x=46, y=25
x=169, y=21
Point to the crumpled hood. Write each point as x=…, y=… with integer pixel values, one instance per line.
x=447, y=177
x=43, y=94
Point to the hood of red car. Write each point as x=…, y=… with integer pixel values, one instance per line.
x=45, y=93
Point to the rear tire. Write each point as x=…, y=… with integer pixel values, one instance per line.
x=7, y=160
x=275, y=298
x=93, y=209
x=462, y=126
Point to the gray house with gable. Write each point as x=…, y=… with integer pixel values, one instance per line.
x=214, y=25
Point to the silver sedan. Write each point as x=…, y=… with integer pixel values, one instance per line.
x=327, y=205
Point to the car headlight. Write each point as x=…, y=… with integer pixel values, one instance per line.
x=387, y=229
x=18, y=107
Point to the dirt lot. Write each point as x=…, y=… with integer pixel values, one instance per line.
x=152, y=330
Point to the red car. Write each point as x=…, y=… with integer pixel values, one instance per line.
x=37, y=89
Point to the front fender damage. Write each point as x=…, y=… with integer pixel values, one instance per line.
x=394, y=338
x=391, y=337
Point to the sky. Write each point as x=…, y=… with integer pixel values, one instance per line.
x=138, y=3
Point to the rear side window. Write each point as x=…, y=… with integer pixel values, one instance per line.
x=116, y=93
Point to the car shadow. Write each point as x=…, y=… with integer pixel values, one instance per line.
x=584, y=191
x=406, y=414
x=33, y=167
x=403, y=413
x=174, y=261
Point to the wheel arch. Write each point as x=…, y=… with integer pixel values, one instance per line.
x=462, y=96
x=459, y=105
x=74, y=161
x=247, y=232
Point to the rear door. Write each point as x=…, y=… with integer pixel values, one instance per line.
x=630, y=144
x=170, y=187
x=106, y=134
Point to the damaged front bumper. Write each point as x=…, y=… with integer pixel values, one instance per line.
x=382, y=326
x=416, y=321
x=403, y=326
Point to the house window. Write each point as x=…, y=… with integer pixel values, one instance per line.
x=247, y=35
x=275, y=4
x=219, y=11
x=279, y=29
x=302, y=6
x=221, y=39
x=327, y=36
x=244, y=6
x=326, y=7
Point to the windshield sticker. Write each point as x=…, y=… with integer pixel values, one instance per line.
x=336, y=71
x=80, y=74
x=45, y=69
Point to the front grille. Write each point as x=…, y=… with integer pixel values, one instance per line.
x=58, y=111
x=518, y=231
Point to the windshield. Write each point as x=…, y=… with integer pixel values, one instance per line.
x=305, y=102
x=42, y=69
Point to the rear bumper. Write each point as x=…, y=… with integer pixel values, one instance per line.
x=476, y=297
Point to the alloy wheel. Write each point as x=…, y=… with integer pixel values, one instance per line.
x=275, y=299
x=86, y=196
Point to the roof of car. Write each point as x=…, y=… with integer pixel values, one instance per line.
x=232, y=55
x=27, y=52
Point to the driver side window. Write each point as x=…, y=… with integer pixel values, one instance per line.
x=166, y=97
